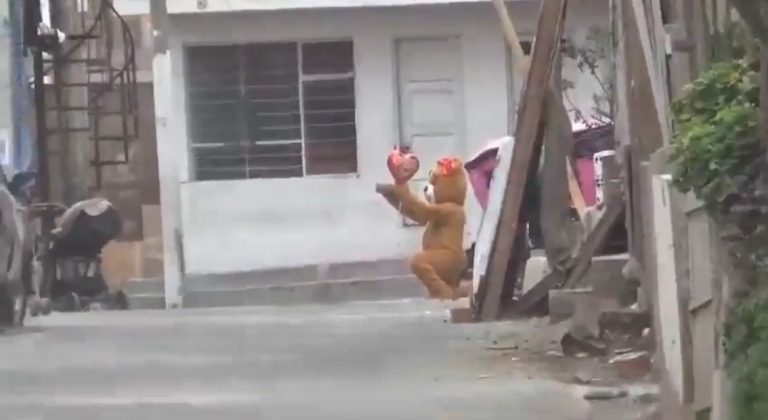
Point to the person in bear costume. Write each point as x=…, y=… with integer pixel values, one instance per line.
x=442, y=260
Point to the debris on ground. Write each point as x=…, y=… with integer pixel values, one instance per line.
x=624, y=322
x=646, y=398
x=498, y=347
x=583, y=377
x=605, y=394
x=462, y=315
x=591, y=346
x=633, y=366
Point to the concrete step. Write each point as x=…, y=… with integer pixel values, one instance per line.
x=146, y=293
x=148, y=286
x=316, y=292
x=296, y=275
x=318, y=284
x=140, y=302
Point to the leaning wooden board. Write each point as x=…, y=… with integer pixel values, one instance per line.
x=528, y=141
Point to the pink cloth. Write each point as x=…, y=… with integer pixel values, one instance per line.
x=480, y=178
x=480, y=169
x=585, y=173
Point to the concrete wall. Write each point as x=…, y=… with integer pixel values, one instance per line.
x=205, y=6
x=255, y=224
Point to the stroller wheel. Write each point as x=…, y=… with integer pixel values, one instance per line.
x=34, y=307
x=38, y=306
x=45, y=306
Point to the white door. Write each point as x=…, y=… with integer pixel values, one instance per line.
x=431, y=112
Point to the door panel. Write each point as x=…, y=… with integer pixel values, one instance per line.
x=431, y=115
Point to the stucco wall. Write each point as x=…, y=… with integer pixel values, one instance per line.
x=253, y=224
x=207, y=6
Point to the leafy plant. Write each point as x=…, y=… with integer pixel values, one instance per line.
x=747, y=355
x=716, y=149
x=716, y=153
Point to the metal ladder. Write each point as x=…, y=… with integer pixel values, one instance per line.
x=106, y=89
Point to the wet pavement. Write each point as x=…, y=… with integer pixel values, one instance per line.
x=387, y=360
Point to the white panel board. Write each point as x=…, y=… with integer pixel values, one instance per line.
x=669, y=306
x=490, y=221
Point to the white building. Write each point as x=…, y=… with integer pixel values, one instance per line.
x=274, y=119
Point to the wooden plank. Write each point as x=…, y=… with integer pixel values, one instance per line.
x=554, y=183
x=657, y=84
x=519, y=59
x=577, y=196
x=521, y=64
x=595, y=242
x=528, y=141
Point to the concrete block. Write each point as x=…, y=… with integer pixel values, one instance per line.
x=586, y=317
x=606, y=277
x=605, y=273
x=536, y=269
x=562, y=303
x=583, y=307
x=462, y=315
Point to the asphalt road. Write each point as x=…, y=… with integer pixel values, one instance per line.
x=397, y=360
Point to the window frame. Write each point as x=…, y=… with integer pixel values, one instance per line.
x=302, y=78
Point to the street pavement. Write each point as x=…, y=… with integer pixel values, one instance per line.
x=366, y=361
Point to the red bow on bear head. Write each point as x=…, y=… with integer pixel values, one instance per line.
x=447, y=166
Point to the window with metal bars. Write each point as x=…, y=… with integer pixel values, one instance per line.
x=271, y=110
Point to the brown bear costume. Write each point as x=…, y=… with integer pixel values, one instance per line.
x=442, y=260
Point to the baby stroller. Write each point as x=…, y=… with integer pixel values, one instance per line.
x=67, y=273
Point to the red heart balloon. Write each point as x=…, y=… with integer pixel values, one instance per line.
x=402, y=166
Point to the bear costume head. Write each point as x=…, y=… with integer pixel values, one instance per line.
x=447, y=182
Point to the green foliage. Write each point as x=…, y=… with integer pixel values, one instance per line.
x=716, y=148
x=716, y=154
x=747, y=355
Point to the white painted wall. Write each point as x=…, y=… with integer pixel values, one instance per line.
x=132, y=7
x=207, y=6
x=255, y=224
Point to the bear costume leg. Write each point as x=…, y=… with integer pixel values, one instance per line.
x=440, y=272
